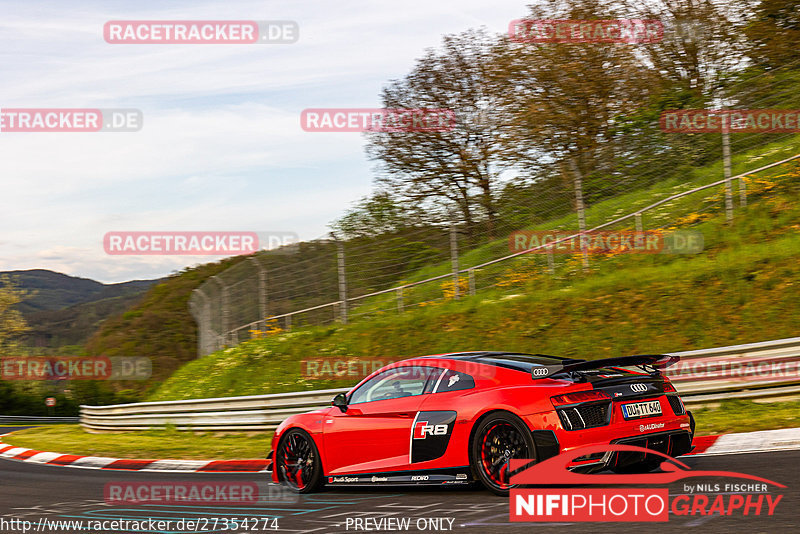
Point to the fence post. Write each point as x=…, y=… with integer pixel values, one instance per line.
x=262, y=291
x=471, y=273
x=578, y=180
x=638, y=218
x=742, y=192
x=223, y=310
x=726, y=165
x=288, y=321
x=342, y=281
x=454, y=258
x=400, y=299
x=551, y=264
x=202, y=314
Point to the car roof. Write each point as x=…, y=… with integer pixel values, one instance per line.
x=509, y=360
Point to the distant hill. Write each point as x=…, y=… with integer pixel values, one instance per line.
x=158, y=326
x=56, y=291
x=75, y=324
x=67, y=310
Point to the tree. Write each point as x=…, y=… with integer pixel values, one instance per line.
x=702, y=43
x=385, y=241
x=12, y=324
x=773, y=34
x=444, y=170
x=372, y=216
x=563, y=99
x=773, y=77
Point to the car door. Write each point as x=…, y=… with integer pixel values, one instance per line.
x=374, y=433
x=440, y=422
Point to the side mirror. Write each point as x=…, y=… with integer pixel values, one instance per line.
x=340, y=401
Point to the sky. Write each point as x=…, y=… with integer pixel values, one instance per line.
x=221, y=147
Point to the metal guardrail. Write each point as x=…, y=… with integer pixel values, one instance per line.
x=16, y=419
x=768, y=369
x=255, y=412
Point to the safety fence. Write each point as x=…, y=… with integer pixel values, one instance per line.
x=769, y=369
x=249, y=300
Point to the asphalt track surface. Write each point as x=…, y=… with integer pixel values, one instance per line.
x=32, y=492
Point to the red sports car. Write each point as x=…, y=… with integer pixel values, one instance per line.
x=460, y=418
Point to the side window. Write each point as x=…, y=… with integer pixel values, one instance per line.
x=393, y=384
x=452, y=380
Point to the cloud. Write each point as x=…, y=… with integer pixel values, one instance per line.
x=221, y=147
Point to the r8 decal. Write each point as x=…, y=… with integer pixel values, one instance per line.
x=430, y=435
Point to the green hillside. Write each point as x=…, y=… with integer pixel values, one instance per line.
x=63, y=311
x=74, y=325
x=742, y=288
x=662, y=217
x=159, y=326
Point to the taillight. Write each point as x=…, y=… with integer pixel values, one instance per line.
x=668, y=387
x=580, y=396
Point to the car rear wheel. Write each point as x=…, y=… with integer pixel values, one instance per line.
x=497, y=440
x=297, y=462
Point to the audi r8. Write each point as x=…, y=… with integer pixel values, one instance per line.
x=461, y=418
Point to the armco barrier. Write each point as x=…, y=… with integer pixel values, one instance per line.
x=20, y=419
x=255, y=412
x=751, y=371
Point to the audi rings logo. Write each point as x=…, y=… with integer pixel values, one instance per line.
x=539, y=371
x=638, y=388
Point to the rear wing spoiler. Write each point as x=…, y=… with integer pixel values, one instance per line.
x=656, y=362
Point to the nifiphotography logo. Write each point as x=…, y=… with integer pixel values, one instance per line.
x=623, y=504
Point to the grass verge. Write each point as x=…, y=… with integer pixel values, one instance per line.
x=746, y=416
x=156, y=444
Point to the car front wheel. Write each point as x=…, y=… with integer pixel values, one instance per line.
x=297, y=462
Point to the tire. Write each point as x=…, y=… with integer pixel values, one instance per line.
x=497, y=439
x=297, y=462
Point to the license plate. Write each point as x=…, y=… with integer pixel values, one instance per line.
x=641, y=409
